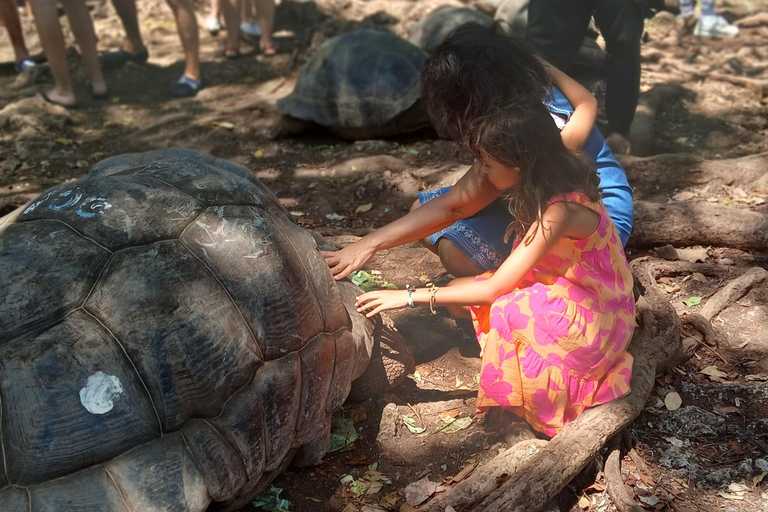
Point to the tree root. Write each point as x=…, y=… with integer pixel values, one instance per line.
x=689, y=224
x=614, y=483
x=679, y=171
x=533, y=479
x=754, y=20
x=733, y=291
x=759, y=86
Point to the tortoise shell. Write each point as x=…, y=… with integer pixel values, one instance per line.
x=169, y=339
x=360, y=79
x=433, y=30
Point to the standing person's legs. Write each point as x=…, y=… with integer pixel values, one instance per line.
x=231, y=9
x=52, y=38
x=133, y=49
x=212, y=22
x=621, y=23
x=82, y=27
x=557, y=28
x=265, y=11
x=190, y=82
x=126, y=11
x=9, y=13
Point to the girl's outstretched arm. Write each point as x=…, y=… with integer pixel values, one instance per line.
x=560, y=219
x=472, y=193
x=579, y=126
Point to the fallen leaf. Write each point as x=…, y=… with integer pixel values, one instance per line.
x=725, y=411
x=649, y=500
x=259, y=153
x=64, y=142
x=464, y=473
x=343, y=433
x=389, y=501
x=585, y=503
x=417, y=376
x=730, y=496
x=693, y=254
x=334, y=216
x=298, y=214
x=271, y=501
x=647, y=479
x=758, y=478
x=226, y=125
x=357, y=415
x=310, y=498
x=412, y=151
x=369, y=281
x=677, y=443
x=405, y=507
x=410, y=422
x=419, y=491
x=455, y=425
x=692, y=301
x=698, y=276
x=448, y=416
x=364, y=208
x=683, y=196
x=345, y=479
x=737, y=488
x=673, y=401
x=713, y=371
x=671, y=289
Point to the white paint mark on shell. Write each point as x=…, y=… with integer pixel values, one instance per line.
x=99, y=391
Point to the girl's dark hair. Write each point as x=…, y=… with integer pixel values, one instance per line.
x=488, y=89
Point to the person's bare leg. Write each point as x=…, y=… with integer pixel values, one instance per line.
x=9, y=13
x=126, y=11
x=184, y=12
x=231, y=10
x=52, y=39
x=82, y=27
x=246, y=11
x=215, y=9
x=454, y=260
x=265, y=11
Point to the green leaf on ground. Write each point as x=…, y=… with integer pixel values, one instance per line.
x=692, y=301
x=343, y=433
x=410, y=422
x=271, y=501
x=368, y=281
x=454, y=425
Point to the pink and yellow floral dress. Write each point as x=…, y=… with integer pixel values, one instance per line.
x=557, y=343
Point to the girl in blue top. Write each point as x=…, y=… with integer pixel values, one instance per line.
x=466, y=224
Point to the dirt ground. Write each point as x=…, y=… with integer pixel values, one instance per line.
x=709, y=454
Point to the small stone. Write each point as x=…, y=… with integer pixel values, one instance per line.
x=10, y=164
x=667, y=252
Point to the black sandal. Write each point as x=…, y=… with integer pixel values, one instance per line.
x=97, y=95
x=48, y=99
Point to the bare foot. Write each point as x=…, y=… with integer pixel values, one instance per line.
x=618, y=144
x=58, y=98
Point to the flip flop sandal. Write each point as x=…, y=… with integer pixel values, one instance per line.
x=121, y=57
x=97, y=95
x=24, y=64
x=231, y=52
x=186, y=87
x=268, y=50
x=48, y=99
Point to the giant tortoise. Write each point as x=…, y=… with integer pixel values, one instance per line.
x=433, y=30
x=169, y=340
x=359, y=85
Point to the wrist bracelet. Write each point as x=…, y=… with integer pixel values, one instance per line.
x=410, y=289
x=432, y=292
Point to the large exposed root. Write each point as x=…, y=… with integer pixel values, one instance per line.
x=687, y=224
x=614, y=483
x=535, y=478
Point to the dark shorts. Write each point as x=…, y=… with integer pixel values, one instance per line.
x=481, y=237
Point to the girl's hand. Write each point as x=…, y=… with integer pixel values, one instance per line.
x=373, y=303
x=348, y=259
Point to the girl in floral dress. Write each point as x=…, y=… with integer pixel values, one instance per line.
x=554, y=320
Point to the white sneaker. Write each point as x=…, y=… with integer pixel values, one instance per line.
x=252, y=29
x=715, y=26
x=213, y=25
